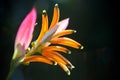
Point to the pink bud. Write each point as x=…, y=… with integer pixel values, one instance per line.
x=25, y=31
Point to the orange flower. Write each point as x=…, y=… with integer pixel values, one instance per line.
x=50, y=41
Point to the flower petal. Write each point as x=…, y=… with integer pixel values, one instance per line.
x=64, y=67
x=55, y=16
x=57, y=58
x=63, y=33
x=44, y=26
x=37, y=59
x=25, y=31
x=62, y=25
x=56, y=48
x=67, y=42
x=48, y=35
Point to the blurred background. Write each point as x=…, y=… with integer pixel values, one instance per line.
x=91, y=18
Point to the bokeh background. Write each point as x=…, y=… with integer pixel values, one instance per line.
x=91, y=18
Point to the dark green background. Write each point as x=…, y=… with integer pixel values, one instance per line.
x=91, y=18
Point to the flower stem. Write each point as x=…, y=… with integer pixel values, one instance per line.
x=13, y=66
x=10, y=74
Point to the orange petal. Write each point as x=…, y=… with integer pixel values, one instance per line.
x=64, y=67
x=37, y=59
x=44, y=28
x=57, y=58
x=53, y=56
x=55, y=18
x=57, y=48
x=63, y=33
x=67, y=42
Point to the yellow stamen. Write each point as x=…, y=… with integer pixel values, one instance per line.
x=55, y=18
x=67, y=42
x=44, y=28
x=37, y=59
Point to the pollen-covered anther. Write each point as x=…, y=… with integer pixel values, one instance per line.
x=68, y=51
x=68, y=72
x=44, y=12
x=81, y=47
x=54, y=63
x=74, y=31
x=70, y=66
x=56, y=5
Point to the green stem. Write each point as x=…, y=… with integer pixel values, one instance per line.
x=10, y=74
x=12, y=69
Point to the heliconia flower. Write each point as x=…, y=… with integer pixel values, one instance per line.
x=49, y=42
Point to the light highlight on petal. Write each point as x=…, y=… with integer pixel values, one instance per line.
x=62, y=25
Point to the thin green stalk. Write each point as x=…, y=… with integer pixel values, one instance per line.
x=13, y=66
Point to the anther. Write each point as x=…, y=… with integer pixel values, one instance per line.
x=81, y=47
x=74, y=31
x=54, y=63
x=70, y=66
x=56, y=5
x=68, y=72
x=44, y=12
x=69, y=52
